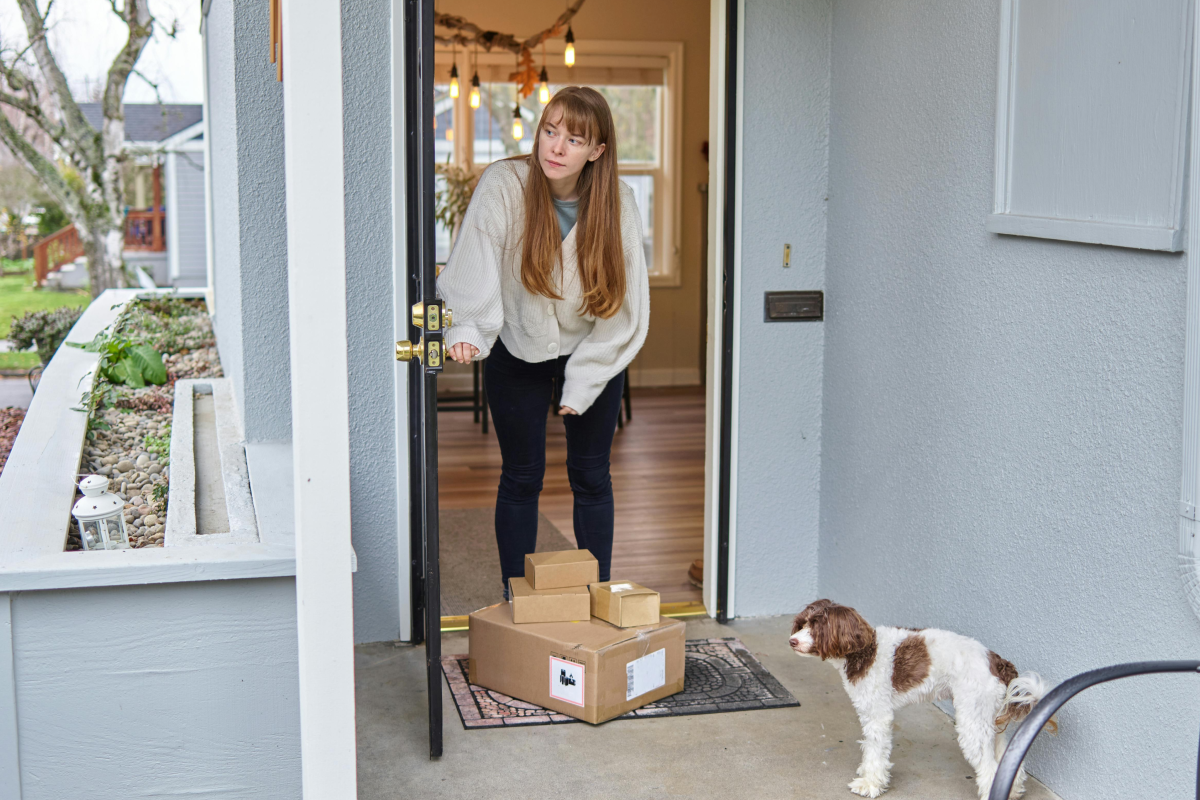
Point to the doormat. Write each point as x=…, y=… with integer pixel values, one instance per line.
x=719, y=675
x=470, y=562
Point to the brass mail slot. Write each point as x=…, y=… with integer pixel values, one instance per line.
x=794, y=306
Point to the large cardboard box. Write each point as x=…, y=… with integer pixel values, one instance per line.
x=548, y=605
x=589, y=670
x=558, y=569
x=624, y=603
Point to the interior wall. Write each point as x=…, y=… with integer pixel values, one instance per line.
x=674, y=350
x=785, y=161
x=1002, y=415
x=367, y=131
x=249, y=217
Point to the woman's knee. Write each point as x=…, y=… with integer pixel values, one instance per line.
x=521, y=484
x=594, y=482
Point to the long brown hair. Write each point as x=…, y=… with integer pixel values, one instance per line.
x=598, y=247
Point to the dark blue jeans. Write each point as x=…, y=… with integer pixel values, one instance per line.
x=519, y=396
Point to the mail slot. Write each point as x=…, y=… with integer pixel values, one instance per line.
x=794, y=306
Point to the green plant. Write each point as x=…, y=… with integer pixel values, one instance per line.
x=455, y=195
x=159, y=445
x=122, y=362
x=158, y=496
x=46, y=329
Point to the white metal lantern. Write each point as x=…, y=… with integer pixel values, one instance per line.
x=101, y=516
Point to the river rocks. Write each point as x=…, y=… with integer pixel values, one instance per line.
x=154, y=469
x=124, y=466
x=151, y=520
x=143, y=461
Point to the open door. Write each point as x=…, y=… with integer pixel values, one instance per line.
x=423, y=350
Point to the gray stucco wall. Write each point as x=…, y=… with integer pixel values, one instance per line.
x=1002, y=416
x=189, y=225
x=249, y=217
x=785, y=174
x=367, y=126
x=168, y=690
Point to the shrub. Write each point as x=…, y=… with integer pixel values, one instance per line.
x=46, y=329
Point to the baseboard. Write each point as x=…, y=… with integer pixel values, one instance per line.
x=462, y=383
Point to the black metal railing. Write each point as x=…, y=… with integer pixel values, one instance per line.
x=1032, y=725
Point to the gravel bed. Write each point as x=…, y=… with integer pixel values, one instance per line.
x=10, y=424
x=131, y=446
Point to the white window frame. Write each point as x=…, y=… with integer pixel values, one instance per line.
x=667, y=174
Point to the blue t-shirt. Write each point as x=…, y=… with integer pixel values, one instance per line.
x=568, y=211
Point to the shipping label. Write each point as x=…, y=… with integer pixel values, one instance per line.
x=566, y=681
x=645, y=674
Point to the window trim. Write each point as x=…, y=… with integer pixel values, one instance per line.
x=606, y=53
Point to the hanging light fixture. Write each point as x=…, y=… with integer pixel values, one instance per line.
x=544, y=89
x=569, y=53
x=518, y=128
x=474, y=96
x=454, y=81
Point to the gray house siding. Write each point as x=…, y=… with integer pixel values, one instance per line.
x=1002, y=416
x=191, y=243
x=785, y=148
x=249, y=222
x=211, y=709
x=367, y=126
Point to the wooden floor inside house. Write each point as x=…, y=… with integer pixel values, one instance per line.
x=658, y=484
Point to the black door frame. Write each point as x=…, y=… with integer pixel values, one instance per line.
x=422, y=383
x=422, y=395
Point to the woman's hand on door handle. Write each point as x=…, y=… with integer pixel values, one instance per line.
x=463, y=352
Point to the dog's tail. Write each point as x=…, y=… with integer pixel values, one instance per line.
x=1021, y=695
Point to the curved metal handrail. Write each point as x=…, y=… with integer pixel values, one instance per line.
x=1032, y=725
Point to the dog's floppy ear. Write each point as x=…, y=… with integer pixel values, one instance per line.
x=840, y=632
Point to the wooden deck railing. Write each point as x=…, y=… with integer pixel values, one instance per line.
x=55, y=250
x=144, y=231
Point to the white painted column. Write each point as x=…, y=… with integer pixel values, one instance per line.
x=10, y=758
x=1189, y=499
x=312, y=114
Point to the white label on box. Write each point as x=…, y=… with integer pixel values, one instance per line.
x=566, y=681
x=621, y=587
x=645, y=674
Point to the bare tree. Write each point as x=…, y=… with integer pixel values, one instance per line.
x=88, y=182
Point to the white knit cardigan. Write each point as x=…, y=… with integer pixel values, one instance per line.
x=481, y=284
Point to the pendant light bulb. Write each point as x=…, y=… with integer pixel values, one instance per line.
x=454, y=81
x=569, y=53
x=518, y=128
x=474, y=96
x=544, y=89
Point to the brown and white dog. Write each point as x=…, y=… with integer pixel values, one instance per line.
x=887, y=668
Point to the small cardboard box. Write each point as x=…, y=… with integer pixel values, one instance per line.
x=548, y=605
x=624, y=604
x=559, y=569
x=587, y=670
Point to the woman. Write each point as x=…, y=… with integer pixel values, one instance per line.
x=548, y=282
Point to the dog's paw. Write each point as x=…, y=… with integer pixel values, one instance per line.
x=865, y=787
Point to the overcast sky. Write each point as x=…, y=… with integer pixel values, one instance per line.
x=85, y=35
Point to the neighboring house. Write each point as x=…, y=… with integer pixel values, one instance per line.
x=165, y=232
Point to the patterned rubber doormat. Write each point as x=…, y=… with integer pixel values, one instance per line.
x=719, y=675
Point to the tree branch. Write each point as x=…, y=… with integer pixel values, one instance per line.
x=43, y=168
x=141, y=26
x=79, y=133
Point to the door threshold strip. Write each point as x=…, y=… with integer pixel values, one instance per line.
x=686, y=609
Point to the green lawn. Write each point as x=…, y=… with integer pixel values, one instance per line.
x=18, y=360
x=18, y=295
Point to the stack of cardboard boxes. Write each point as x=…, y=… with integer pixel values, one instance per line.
x=569, y=643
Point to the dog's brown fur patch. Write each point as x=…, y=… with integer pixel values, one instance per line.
x=1002, y=668
x=910, y=664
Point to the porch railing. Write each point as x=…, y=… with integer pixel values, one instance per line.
x=55, y=250
x=1031, y=726
x=144, y=231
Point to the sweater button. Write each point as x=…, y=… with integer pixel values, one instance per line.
x=550, y=309
x=552, y=347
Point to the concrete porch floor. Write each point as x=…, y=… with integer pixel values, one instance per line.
x=809, y=752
